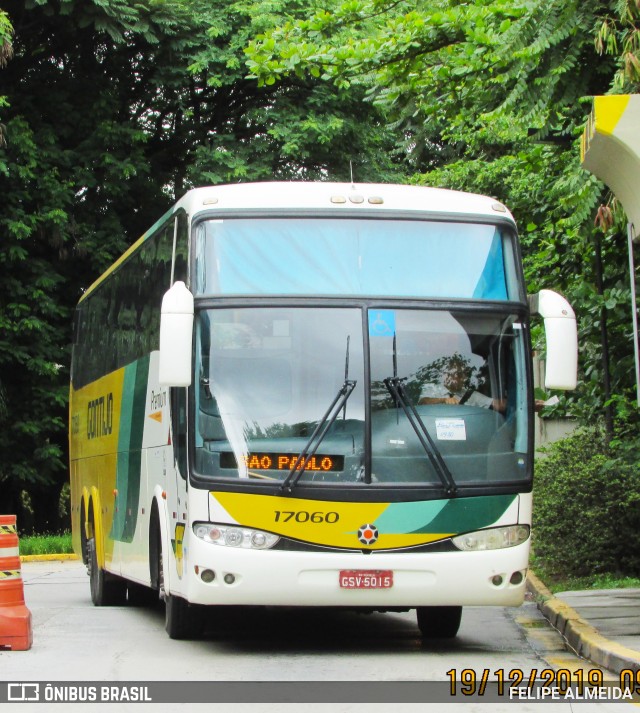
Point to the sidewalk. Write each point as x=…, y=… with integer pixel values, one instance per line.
x=601, y=625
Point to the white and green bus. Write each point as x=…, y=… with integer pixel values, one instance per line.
x=311, y=394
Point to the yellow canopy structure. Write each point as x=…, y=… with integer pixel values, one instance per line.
x=611, y=149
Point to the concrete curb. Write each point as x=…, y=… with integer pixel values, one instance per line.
x=48, y=558
x=581, y=636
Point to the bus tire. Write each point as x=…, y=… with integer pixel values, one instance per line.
x=439, y=622
x=106, y=590
x=180, y=618
x=181, y=621
x=84, y=548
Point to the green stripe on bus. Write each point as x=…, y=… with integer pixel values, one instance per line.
x=134, y=394
x=135, y=448
x=438, y=516
x=472, y=513
x=409, y=517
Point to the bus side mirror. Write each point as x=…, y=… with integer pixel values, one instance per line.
x=176, y=336
x=562, y=339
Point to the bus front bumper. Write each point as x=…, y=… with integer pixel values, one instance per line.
x=215, y=575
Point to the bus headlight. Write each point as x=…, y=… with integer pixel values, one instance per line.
x=232, y=536
x=494, y=538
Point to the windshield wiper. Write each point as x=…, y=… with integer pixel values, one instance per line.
x=320, y=431
x=395, y=386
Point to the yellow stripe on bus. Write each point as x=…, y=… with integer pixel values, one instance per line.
x=330, y=523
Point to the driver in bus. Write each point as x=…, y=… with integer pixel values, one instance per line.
x=455, y=389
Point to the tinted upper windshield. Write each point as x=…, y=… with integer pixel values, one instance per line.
x=267, y=376
x=355, y=257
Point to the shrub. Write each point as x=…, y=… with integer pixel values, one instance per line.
x=586, y=511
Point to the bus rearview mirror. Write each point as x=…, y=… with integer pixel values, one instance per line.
x=176, y=336
x=562, y=339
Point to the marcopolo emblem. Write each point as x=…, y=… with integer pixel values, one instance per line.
x=368, y=534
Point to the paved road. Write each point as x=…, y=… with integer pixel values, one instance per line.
x=74, y=641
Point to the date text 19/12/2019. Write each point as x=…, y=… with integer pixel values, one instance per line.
x=545, y=683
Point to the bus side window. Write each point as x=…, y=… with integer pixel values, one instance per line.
x=181, y=259
x=179, y=424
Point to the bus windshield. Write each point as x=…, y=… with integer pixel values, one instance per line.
x=429, y=397
x=355, y=256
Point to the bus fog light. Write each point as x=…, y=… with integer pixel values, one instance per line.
x=494, y=538
x=497, y=580
x=229, y=578
x=516, y=578
x=208, y=576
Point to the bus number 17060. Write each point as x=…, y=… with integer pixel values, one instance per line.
x=306, y=516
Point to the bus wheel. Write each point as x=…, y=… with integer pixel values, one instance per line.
x=439, y=622
x=106, y=590
x=181, y=619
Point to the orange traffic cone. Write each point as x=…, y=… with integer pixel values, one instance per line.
x=15, y=618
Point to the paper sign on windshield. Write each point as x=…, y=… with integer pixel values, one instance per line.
x=450, y=429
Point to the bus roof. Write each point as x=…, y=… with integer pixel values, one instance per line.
x=318, y=196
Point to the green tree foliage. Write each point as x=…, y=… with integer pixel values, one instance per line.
x=112, y=110
x=6, y=52
x=467, y=77
x=298, y=129
x=74, y=172
x=619, y=36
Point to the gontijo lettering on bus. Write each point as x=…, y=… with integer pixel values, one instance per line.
x=100, y=416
